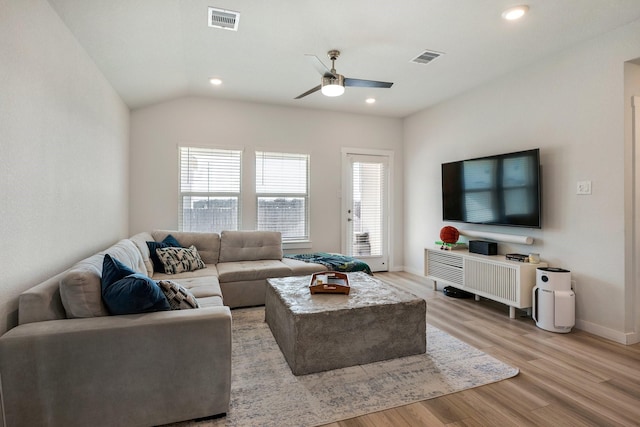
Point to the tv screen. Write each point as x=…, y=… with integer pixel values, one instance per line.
x=497, y=190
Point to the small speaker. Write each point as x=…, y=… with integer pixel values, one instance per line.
x=483, y=247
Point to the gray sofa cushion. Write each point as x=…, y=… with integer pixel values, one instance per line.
x=205, y=289
x=140, y=240
x=214, y=301
x=80, y=288
x=250, y=246
x=252, y=270
x=210, y=270
x=81, y=293
x=42, y=302
x=302, y=268
x=127, y=253
x=247, y=293
x=208, y=244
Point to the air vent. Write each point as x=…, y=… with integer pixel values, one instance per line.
x=426, y=57
x=225, y=19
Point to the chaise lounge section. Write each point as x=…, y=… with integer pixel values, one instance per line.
x=70, y=363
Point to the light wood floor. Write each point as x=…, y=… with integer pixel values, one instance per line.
x=574, y=379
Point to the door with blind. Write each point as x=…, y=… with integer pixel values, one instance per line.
x=365, y=203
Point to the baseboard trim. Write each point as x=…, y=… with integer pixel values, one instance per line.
x=633, y=338
x=413, y=271
x=626, y=338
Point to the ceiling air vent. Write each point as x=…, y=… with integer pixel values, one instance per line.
x=426, y=57
x=225, y=19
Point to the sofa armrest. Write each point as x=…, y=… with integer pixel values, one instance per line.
x=144, y=369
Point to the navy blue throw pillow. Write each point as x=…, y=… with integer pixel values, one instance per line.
x=133, y=294
x=113, y=270
x=167, y=242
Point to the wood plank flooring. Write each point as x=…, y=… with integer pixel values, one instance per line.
x=574, y=379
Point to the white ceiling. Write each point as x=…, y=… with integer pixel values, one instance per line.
x=154, y=50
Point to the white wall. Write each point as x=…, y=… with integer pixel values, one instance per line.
x=157, y=131
x=63, y=152
x=632, y=194
x=572, y=107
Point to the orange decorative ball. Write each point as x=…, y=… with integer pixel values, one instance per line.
x=449, y=234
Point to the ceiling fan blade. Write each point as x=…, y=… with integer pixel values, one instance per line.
x=318, y=65
x=309, y=92
x=366, y=83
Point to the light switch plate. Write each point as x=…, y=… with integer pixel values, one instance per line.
x=584, y=187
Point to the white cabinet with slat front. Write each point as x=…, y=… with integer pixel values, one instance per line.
x=489, y=276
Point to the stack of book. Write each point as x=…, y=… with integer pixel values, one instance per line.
x=451, y=246
x=517, y=257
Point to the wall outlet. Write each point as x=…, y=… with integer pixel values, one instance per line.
x=584, y=187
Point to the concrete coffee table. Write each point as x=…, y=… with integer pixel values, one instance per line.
x=320, y=332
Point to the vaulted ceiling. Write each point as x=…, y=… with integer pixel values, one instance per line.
x=155, y=50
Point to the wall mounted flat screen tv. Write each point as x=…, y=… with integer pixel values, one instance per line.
x=496, y=190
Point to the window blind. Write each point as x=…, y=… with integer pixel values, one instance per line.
x=368, y=208
x=282, y=192
x=209, y=189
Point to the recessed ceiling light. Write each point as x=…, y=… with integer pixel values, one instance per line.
x=215, y=81
x=514, y=13
x=370, y=100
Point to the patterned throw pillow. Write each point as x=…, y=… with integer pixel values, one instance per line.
x=179, y=298
x=168, y=241
x=177, y=260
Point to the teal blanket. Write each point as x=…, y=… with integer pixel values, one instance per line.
x=334, y=262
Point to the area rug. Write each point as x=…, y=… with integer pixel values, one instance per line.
x=264, y=392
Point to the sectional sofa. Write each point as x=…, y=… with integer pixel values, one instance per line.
x=70, y=363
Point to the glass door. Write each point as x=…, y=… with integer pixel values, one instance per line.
x=365, y=201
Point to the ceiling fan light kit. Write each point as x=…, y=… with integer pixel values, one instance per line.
x=332, y=83
x=333, y=86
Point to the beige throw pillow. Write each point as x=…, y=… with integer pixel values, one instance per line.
x=81, y=294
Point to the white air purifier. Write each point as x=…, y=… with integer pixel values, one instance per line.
x=554, y=302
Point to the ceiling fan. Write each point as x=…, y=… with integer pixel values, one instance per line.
x=332, y=83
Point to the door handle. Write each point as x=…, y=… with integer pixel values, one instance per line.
x=349, y=219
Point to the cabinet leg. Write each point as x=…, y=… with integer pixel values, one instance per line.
x=512, y=312
x=477, y=297
x=435, y=285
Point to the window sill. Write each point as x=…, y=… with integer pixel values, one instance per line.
x=300, y=244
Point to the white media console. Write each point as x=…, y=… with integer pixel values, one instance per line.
x=489, y=276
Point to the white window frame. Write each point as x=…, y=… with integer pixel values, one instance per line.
x=232, y=194
x=297, y=242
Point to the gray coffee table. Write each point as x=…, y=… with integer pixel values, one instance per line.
x=320, y=332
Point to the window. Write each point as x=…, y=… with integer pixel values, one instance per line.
x=282, y=191
x=368, y=181
x=209, y=189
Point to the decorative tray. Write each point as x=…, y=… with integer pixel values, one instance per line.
x=331, y=282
